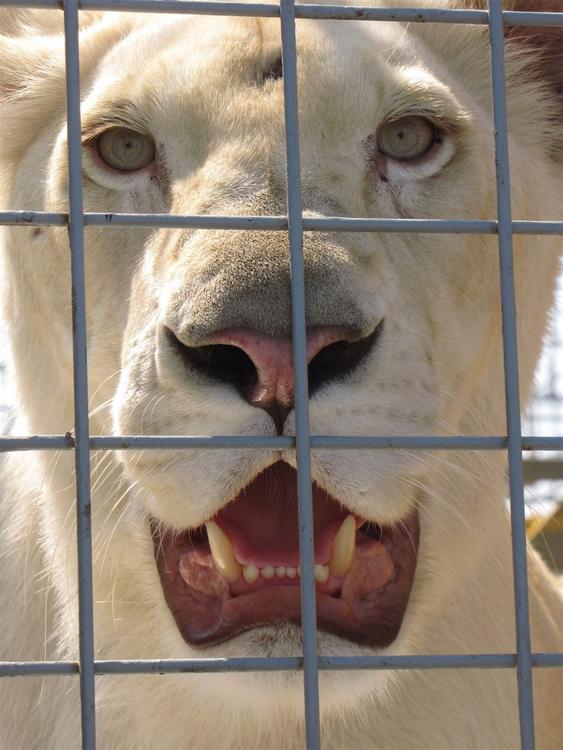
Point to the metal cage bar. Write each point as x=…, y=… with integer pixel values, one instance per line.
x=299, y=336
x=295, y=224
x=319, y=12
x=511, y=379
x=80, y=371
x=277, y=664
x=280, y=223
x=252, y=442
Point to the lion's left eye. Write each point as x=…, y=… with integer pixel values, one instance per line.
x=125, y=149
x=406, y=138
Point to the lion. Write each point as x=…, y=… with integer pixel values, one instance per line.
x=189, y=332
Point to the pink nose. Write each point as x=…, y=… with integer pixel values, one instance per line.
x=272, y=357
x=260, y=367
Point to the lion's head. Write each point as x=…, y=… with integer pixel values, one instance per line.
x=190, y=329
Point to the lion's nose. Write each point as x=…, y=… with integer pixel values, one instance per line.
x=268, y=365
x=260, y=366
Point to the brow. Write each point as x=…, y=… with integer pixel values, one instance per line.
x=110, y=114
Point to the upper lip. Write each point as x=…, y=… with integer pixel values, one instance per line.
x=363, y=581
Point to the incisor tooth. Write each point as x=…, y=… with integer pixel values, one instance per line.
x=222, y=552
x=268, y=571
x=250, y=573
x=321, y=573
x=344, y=546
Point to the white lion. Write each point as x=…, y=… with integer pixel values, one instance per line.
x=196, y=551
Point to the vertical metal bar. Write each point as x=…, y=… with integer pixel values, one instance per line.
x=82, y=456
x=512, y=390
x=299, y=333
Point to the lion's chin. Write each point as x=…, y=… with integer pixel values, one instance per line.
x=241, y=570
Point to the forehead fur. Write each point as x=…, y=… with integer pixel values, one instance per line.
x=162, y=64
x=200, y=81
x=170, y=58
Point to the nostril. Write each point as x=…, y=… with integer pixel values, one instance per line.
x=260, y=366
x=222, y=362
x=339, y=359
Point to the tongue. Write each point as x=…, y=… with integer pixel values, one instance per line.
x=262, y=522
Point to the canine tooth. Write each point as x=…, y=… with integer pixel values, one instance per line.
x=344, y=546
x=222, y=552
x=250, y=573
x=268, y=571
x=280, y=572
x=291, y=572
x=321, y=573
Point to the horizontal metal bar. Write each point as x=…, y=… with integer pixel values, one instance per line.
x=36, y=443
x=265, y=442
x=279, y=223
x=327, y=663
x=402, y=15
x=36, y=668
x=319, y=12
x=408, y=442
x=218, y=665
x=178, y=222
x=256, y=10
x=33, y=218
x=437, y=661
x=277, y=664
x=547, y=660
x=537, y=227
x=262, y=442
x=531, y=18
x=552, y=443
x=422, y=226
x=189, y=7
x=426, y=15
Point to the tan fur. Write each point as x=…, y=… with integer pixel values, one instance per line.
x=438, y=370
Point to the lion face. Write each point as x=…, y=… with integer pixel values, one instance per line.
x=190, y=329
x=207, y=346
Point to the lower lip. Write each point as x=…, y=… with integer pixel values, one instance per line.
x=366, y=606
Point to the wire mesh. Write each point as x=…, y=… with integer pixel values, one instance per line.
x=294, y=224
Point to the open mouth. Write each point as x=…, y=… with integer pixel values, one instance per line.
x=241, y=570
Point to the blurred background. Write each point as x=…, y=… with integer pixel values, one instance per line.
x=543, y=471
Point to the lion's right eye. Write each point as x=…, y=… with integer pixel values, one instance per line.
x=125, y=150
x=407, y=138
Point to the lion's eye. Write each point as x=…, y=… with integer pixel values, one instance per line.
x=406, y=138
x=125, y=149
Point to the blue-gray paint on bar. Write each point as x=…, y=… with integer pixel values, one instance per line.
x=80, y=373
x=278, y=664
x=279, y=223
x=301, y=387
x=512, y=390
x=266, y=442
x=319, y=12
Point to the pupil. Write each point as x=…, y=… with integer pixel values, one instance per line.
x=400, y=134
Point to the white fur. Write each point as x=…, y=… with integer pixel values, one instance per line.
x=438, y=370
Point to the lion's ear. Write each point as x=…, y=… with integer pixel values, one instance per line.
x=30, y=43
x=544, y=63
x=32, y=49
x=25, y=62
x=31, y=77
x=27, y=22
x=546, y=40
